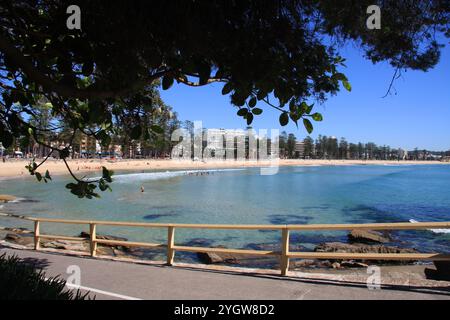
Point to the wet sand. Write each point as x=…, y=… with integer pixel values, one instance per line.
x=15, y=168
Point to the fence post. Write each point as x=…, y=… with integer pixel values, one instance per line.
x=36, y=235
x=170, y=244
x=284, y=251
x=93, y=239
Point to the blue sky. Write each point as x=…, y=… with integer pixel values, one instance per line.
x=417, y=116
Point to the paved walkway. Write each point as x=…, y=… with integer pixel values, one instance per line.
x=124, y=280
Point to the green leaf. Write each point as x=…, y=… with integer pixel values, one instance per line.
x=252, y=102
x=347, y=85
x=242, y=112
x=249, y=118
x=47, y=175
x=257, y=111
x=227, y=88
x=167, y=82
x=308, y=125
x=157, y=129
x=64, y=153
x=295, y=116
x=38, y=176
x=284, y=119
x=136, y=132
x=339, y=76
x=317, y=116
x=106, y=174
x=103, y=185
x=292, y=105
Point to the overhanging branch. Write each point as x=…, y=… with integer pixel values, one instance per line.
x=16, y=57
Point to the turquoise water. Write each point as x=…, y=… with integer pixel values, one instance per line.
x=296, y=195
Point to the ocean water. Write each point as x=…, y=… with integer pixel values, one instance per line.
x=296, y=195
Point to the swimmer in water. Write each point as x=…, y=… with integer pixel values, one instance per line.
x=142, y=189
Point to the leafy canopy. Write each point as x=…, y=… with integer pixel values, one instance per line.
x=277, y=54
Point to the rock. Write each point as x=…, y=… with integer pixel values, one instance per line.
x=364, y=248
x=6, y=198
x=367, y=236
x=325, y=264
x=209, y=257
x=336, y=265
x=304, y=263
x=22, y=239
x=86, y=235
x=66, y=245
x=17, y=230
x=273, y=247
x=107, y=251
x=215, y=257
x=353, y=264
x=360, y=248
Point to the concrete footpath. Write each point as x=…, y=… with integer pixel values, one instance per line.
x=124, y=280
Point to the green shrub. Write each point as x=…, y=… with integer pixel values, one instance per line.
x=22, y=281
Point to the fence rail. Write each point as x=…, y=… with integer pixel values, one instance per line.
x=284, y=255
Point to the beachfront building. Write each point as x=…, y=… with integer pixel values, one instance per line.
x=88, y=146
x=235, y=144
x=299, y=149
x=402, y=154
x=224, y=143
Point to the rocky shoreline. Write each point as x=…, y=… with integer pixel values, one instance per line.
x=360, y=241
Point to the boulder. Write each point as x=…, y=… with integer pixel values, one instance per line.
x=86, y=235
x=367, y=236
x=360, y=248
x=22, y=239
x=364, y=248
x=66, y=245
x=6, y=198
x=336, y=265
x=215, y=257
x=304, y=263
x=210, y=257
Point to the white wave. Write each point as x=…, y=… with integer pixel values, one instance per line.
x=16, y=200
x=432, y=230
x=164, y=175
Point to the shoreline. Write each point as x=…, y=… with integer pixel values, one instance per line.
x=16, y=168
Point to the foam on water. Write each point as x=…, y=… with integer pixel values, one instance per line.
x=124, y=178
x=432, y=230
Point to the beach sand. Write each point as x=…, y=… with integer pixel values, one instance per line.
x=15, y=168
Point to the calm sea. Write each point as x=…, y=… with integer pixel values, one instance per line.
x=296, y=195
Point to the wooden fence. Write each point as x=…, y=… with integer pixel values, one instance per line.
x=284, y=255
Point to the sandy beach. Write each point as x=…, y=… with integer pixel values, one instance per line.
x=15, y=168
